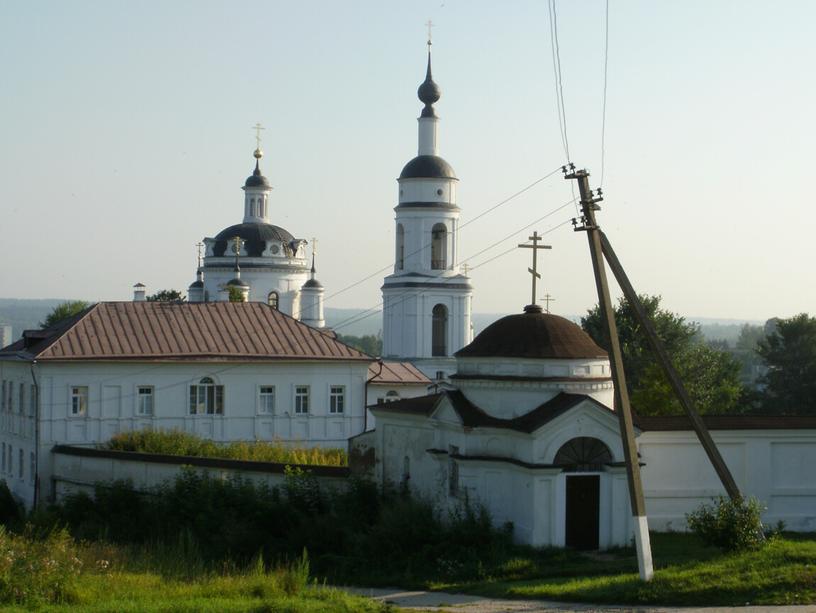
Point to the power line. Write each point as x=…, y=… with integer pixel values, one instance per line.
x=464, y=225
x=559, y=83
x=603, y=112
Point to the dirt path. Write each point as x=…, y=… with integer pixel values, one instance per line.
x=464, y=603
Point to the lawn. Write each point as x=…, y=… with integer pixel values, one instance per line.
x=686, y=573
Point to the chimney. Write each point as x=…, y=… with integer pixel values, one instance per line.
x=139, y=291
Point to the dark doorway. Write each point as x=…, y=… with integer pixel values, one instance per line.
x=583, y=511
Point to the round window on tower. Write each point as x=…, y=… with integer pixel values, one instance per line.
x=439, y=192
x=275, y=249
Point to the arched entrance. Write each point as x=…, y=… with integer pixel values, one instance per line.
x=583, y=491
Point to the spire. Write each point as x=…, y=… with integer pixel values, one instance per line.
x=428, y=91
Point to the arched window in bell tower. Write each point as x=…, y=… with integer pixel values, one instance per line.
x=400, y=247
x=439, y=331
x=439, y=247
x=272, y=300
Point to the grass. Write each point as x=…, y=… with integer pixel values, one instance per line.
x=687, y=573
x=175, y=442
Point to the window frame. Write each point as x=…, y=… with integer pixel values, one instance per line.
x=263, y=396
x=21, y=464
x=141, y=397
x=337, y=399
x=210, y=394
x=300, y=404
x=76, y=393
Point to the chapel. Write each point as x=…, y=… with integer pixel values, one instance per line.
x=259, y=260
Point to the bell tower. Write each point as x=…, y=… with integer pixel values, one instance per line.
x=427, y=298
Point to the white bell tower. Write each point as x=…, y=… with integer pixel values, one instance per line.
x=427, y=299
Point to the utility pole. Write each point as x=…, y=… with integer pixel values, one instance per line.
x=622, y=408
x=676, y=383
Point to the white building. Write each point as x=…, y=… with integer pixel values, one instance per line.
x=427, y=299
x=263, y=261
x=528, y=432
x=225, y=371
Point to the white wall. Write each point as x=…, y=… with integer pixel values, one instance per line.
x=775, y=466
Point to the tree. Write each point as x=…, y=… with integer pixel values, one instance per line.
x=64, y=310
x=710, y=375
x=167, y=295
x=789, y=352
x=235, y=294
x=368, y=343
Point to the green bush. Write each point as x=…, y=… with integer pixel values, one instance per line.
x=176, y=442
x=10, y=512
x=35, y=571
x=731, y=525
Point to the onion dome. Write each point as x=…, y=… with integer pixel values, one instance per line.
x=313, y=283
x=427, y=167
x=428, y=91
x=254, y=237
x=533, y=335
x=257, y=179
x=237, y=282
x=197, y=284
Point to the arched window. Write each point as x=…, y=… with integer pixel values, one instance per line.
x=400, y=247
x=206, y=398
x=252, y=206
x=582, y=454
x=439, y=247
x=272, y=300
x=439, y=331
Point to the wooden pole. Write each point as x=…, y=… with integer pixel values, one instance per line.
x=622, y=408
x=671, y=374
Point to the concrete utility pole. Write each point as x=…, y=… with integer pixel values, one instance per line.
x=671, y=374
x=622, y=408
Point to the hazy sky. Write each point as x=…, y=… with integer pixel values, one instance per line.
x=126, y=138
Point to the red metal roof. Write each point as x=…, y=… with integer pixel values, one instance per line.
x=185, y=331
x=396, y=372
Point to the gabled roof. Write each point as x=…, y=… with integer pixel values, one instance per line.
x=475, y=417
x=159, y=331
x=396, y=373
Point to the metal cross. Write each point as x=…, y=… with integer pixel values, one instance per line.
x=314, y=245
x=430, y=25
x=258, y=127
x=547, y=299
x=199, y=247
x=237, y=243
x=465, y=269
x=534, y=270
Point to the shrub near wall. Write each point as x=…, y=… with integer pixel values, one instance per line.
x=176, y=442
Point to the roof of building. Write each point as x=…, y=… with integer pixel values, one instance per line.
x=256, y=179
x=396, y=373
x=162, y=331
x=312, y=283
x=427, y=167
x=475, y=417
x=254, y=236
x=535, y=335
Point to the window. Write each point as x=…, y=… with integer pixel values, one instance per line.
x=20, y=466
x=392, y=396
x=439, y=247
x=32, y=467
x=144, y=400
x=301, y=399
x=21, y=399
x=400, y=247
x=206, y=398
x=79, y=400
x=439, y=331
x=3, y=468
x=33, y=407
x=3, y=397
x=272, y=300
x=266, y=404
x=10, y=456
x=337, y=399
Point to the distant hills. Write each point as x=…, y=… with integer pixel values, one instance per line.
x=24, y=313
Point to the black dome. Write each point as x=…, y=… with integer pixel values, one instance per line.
x=535, y=335
x=196, y=284
x=254, y=235
x=257, y=179
x=427, y=167
x=237, y=282
x=313, y=283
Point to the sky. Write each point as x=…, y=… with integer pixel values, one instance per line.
x=126, y=136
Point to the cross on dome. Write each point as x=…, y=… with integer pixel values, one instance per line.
x=534, y=270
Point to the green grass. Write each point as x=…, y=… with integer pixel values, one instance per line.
x=686, y=573
x=175, y=442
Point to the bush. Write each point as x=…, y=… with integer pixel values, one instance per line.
x=36, y=571
x=731, y=525
x=10, y=512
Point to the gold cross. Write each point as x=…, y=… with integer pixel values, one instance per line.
x=534, y=270
x=258, y=127
x=430, y=25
